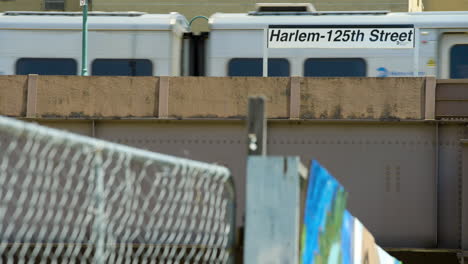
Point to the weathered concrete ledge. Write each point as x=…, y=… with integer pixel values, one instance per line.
x=212, y=97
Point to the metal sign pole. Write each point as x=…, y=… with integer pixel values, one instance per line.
x=265, y=52
x=257, y=126
x=84, y=45
x=416, y=53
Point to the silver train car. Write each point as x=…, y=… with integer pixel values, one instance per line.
x=285, y=40
x=127, y=43
x=353, y=44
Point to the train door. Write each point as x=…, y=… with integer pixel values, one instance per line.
x=454, y=56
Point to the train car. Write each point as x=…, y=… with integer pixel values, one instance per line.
x=120, y=43
x=296, y=40
x=299, y=41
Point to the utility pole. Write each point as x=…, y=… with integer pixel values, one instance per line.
x=84, y=45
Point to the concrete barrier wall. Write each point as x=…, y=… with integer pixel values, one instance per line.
x=208, y=97
x=13, y=95
x=362, y=98
x=74, y=96
x=226, y=97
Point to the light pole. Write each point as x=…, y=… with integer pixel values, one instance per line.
x=84, y=45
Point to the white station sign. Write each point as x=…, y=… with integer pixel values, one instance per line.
x=341, y=36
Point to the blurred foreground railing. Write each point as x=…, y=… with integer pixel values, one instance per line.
x=68, y=198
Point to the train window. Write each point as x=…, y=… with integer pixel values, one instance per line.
x=335, y=67
x=459, y=61
x=46, y=66
x=122, y=67
x=254, y=67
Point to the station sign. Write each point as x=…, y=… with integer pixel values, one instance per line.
x=341, y=36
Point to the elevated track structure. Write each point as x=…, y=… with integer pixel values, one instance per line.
x=402, y=143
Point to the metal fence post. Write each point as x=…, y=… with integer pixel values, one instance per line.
x=99, y=196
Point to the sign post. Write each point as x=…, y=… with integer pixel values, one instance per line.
x=84, y=45
x=257, y=126
x=265, y=52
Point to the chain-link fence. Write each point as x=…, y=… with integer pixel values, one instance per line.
x=68, y=198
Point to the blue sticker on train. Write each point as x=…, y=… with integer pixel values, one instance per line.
x=384, y=72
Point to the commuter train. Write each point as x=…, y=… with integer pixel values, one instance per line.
x=287, y=40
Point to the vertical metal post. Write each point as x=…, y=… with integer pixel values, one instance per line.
x=265, y=52
x=84, y=44
x=436, y=170
x=256, y=126
x=99, y=222
x=464, y=200
x=416, y=52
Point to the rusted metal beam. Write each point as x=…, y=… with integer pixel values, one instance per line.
x=451, y=99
